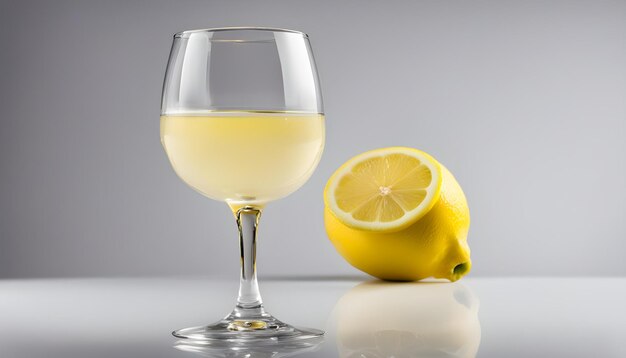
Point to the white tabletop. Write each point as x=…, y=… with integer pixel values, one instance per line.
x=477, y=317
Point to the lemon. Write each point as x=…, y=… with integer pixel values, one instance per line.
x=405, y=232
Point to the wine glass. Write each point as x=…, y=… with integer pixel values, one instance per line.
x=242, y=122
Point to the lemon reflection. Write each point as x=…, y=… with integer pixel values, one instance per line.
x=382, y=319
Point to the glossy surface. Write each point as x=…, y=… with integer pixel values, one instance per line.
x=495, y=317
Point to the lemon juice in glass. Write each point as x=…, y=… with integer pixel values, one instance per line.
x=242, y=122
x=244, y=158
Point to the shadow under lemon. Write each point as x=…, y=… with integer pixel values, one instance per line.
x=429, y=319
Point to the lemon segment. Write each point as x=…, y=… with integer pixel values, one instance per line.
x=384, y=190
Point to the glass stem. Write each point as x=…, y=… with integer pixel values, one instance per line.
x=249, y=295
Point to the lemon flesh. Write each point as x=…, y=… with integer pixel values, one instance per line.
x=385, y=189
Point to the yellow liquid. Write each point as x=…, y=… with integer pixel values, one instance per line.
x=243, y=158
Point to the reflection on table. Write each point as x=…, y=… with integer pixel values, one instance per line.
x=382, y=319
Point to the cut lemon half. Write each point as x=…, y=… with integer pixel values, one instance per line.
x=384, y=189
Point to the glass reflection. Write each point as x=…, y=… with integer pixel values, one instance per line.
x=271, y=348
x=383, y=319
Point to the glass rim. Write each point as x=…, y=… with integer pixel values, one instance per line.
x=182, y=34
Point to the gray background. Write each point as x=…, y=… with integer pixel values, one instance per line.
x=524, y=101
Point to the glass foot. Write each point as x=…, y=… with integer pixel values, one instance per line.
x=247, y=325
x=269, y=348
